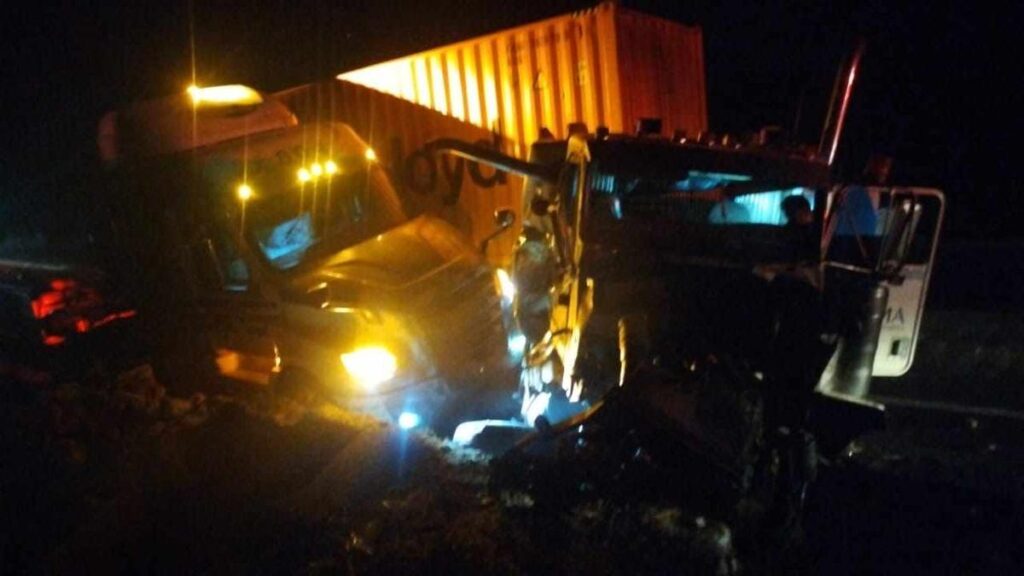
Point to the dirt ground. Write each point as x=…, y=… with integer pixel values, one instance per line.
x=111, y=474
x=972, y=337
x=115, y=476
x=965, y=357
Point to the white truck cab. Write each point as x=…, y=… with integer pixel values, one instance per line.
x=282, y=252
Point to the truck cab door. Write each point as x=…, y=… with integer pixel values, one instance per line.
x=238, y=319
x=891, y=234
x=909, y=287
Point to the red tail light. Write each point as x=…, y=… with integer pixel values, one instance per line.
x=47, y=303
x=71, y=307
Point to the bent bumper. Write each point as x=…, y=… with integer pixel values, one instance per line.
x=426, y=400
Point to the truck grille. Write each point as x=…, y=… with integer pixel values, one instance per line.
x=460, y=314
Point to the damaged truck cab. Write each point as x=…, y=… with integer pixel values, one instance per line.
x=643, y=246
x=283, y=256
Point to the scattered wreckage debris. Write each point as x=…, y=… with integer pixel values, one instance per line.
x=683, y=443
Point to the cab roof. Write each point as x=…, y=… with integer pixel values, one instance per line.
x=195, y=118
x=648, y=155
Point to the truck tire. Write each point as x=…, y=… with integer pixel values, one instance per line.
x=297, y=386
x=183, y=361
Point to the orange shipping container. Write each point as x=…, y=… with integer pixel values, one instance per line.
x=606, y=66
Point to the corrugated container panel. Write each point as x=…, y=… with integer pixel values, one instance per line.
x=398, y=130
x=652, y=86
x=606, y=66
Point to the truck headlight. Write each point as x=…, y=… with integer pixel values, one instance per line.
x=370, y=366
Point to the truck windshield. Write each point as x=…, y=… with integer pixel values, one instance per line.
x=718, y=215
x=296, y=215
x=704, y=197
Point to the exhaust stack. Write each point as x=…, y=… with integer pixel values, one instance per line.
x=835, y=119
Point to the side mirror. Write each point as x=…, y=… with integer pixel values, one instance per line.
x=904, y=216
x=504, y=218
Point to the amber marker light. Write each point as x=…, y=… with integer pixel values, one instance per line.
x=231, y=95
x=244, y=192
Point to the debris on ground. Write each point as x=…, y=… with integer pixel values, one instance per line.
x=118, y=475
x=114, y=474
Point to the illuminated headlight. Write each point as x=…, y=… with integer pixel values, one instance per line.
x=505, y=284
x=409, y=420
x=370, y=366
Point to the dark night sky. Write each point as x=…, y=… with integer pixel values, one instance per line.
x=940, y=89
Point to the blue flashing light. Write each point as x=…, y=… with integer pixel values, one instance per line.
x=517, y=344
x=409, y=420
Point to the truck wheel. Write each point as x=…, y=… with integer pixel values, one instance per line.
x=184, y=364
x=292, y=394
x=297, y=386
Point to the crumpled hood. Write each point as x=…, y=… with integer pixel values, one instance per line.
x=426, y=280
x=398, y=258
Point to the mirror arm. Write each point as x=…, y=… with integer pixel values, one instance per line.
x=911, y=232
x=504, y=218
x=487, y=240
x=493, y=158
x=903, y=249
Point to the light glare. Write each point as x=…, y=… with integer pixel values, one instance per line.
x=508, y=288
x=408, y=420
x=244, y=192
x=371, y=155
x=316, y=169
x=231, y=94
x=537, y=407
x=370, y=366
x=330, y=167
x=517, y=344
x=304, y=175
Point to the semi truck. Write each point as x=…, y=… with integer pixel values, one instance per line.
x=256, y=248
x=520, y=84
x=647, y=242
